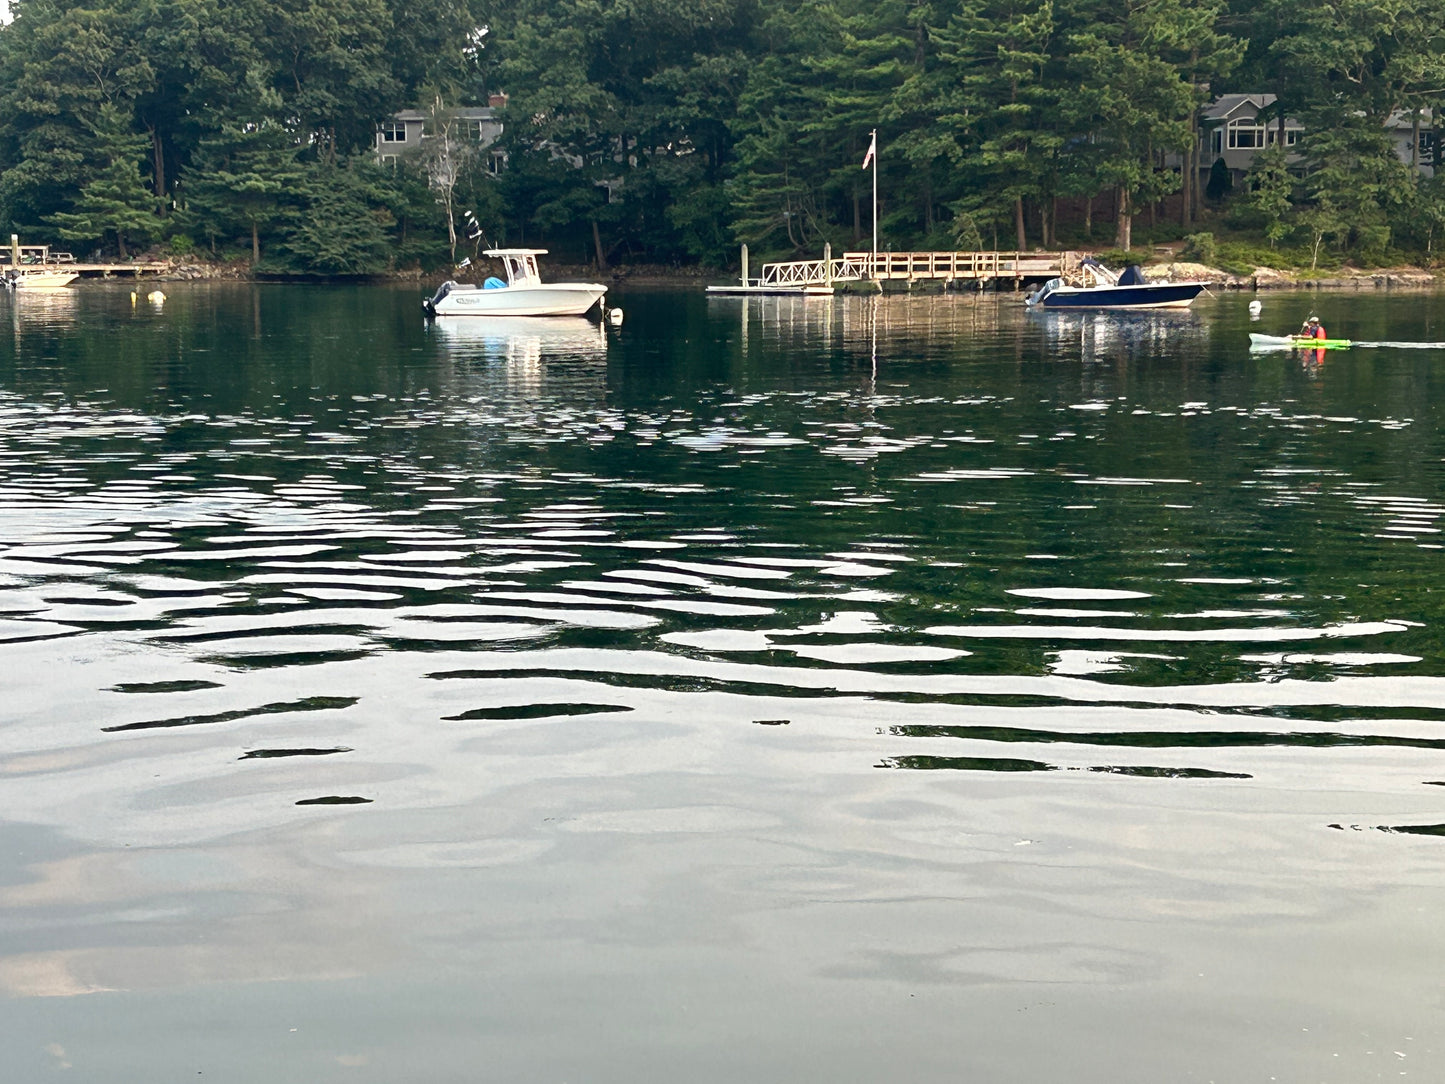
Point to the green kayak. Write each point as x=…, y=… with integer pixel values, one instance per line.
x=1295, y=342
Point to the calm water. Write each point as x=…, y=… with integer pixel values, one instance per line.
x=773, y=690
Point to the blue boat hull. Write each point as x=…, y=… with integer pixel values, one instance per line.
x=1154, y=295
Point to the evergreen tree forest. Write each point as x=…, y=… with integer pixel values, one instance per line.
x=668, y=131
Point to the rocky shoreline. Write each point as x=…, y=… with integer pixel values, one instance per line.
x=1269, y=278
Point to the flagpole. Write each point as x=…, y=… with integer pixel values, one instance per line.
x=874, y=146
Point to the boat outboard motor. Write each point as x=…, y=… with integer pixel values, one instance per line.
x=1043, y=292
x=431, y=303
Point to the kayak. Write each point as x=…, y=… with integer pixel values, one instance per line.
x=1296, y=342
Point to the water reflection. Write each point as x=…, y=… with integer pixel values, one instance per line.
x=607, y=661
x=520, y=340
x=1089, y=335
x=38, y=309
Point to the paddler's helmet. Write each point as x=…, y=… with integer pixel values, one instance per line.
x=1314, y=319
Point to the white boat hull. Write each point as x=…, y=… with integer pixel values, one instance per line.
x=550, y=299
x=44, y=280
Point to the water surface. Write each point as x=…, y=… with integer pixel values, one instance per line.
x=770, y=689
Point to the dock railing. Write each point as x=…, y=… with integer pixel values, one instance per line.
x=914, y=266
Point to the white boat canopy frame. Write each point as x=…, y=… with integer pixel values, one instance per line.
x=520, y=264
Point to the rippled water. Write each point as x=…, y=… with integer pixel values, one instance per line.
x=779, y=689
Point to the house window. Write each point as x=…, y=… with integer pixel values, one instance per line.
x=392, y=131
x=472, y=129
x=1291, y=137
x=1244, y=135
x=1216, y=142
x=496, y=162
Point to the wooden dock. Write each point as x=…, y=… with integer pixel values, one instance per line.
x=985, y=268
x=37, y=257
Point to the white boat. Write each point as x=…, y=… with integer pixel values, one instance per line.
x=38, y=278
x=523, y=294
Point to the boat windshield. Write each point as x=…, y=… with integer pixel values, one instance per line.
x=521, y=269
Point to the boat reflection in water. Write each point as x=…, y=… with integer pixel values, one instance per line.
x=536, y=351
x=36, y=309
x=1125, y=334
x=524, y=339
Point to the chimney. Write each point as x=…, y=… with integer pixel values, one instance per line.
x=497, y=101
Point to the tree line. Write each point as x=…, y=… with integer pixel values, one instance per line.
x=666, y=131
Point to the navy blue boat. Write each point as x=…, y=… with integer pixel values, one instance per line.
x=1107, y=290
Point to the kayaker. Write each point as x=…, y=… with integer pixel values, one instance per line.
x=1313, y=329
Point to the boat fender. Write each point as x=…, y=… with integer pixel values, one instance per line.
x=493, y=283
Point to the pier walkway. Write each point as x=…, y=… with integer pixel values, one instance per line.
x=820, y=276
x=106, y=270
x=38, y=257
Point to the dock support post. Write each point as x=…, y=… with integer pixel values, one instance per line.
x=745, y=265
x=828, y=265
x=14, y=250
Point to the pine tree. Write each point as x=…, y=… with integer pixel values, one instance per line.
x=243, y=178
x=116, y=199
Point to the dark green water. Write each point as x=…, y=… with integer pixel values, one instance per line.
x=772, y=690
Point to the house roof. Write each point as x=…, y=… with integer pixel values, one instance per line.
x=465, y=112
x=1243, y=107
x=1227, y=105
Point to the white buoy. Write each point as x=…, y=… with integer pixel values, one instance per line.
x=614, y=317
x=1255, y=308
x=155, y=297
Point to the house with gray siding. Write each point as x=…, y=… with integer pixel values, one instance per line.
x=404, y=133
x=1230, y=128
